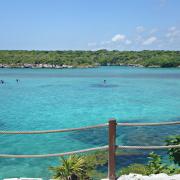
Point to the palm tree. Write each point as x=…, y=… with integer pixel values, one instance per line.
x=72, y=168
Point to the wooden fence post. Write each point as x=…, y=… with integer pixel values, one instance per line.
x=112, y=150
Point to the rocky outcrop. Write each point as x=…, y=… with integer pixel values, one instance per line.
x=154, y=66
x=161, y=176
x=24, y=179
x=132, y=65
x=26, y=65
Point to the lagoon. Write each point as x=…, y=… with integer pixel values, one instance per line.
x=65, y=98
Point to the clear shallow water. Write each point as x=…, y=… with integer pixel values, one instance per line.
x=55, y=99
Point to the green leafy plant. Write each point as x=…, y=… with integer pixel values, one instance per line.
x=154, y=166
x=72, y=168
x=82, y=167
x=174, y=153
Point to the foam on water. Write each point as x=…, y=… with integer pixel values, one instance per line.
x=55, y=99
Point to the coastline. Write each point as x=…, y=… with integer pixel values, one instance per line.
x=48, y=66
x=64, y=66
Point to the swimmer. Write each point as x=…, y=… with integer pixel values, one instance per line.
x=17, y=80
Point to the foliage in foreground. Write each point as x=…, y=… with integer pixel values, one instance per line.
x=154, y=166
x=134, y=168
x=174, y=153
x=74, y=167
x=80, y=167
x=85, y=167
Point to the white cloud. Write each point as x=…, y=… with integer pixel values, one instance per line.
x=149, y=41
x=118, y=38
x=92, y=44
x=152, y=38
x=173, y=33
x=128, y=42
x=140, y=29
x=152, y=31
x=105, y=42
x=173, y=28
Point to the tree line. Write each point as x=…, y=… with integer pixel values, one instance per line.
x=146, y=58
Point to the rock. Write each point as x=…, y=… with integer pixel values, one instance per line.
x=66, y=66
x=24, y=179
x=161, y=176
x=30, y=179
x=154, y=66
x=28, y=65
x=58, y=67
x=47, y=66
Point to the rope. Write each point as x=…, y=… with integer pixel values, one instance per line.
x=90, y=149
x=52, y=155
x=88, y=127
x=149, y=147
x=148, y=124
x=54, y=131
x=86, y=150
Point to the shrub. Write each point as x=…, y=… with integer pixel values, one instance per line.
x=134, y=168
x=174, y=153
x=154, y=166
x=72, y=168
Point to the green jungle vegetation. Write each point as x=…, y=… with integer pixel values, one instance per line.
x=146, y=58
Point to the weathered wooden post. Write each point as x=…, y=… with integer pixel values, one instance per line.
x=112, y=150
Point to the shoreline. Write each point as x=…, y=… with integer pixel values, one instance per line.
x=44, y=66
x=64, y=66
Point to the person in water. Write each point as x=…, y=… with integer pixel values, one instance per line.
x=104, y=81
x=17, y=80
x=2, y=82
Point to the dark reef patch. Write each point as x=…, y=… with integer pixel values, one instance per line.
x=97, y=137
x=125, y=160
x=104, y=85
x=145, y=136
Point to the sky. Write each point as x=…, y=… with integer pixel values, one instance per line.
x=90, y=24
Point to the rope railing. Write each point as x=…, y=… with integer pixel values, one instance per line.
x=111, y=147
x=54, y=131
x=86, y=150
x=88, y=127
x=53, y=155
x=148, y=147
x=149, y=124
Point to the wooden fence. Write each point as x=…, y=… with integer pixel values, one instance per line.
x=111, y=147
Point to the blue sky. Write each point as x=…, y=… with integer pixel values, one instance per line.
x=90, y=24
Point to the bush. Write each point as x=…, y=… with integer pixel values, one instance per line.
x=80, y=167
x=154, y=166
x=72, y=168
x=134, y=168
x=174, y=153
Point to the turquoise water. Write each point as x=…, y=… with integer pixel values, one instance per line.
x=55, y=99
